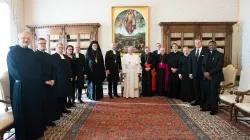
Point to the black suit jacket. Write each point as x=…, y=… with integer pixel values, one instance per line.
x=217, y=65
x=194, y=65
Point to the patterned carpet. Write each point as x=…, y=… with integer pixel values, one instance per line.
x=144, y=118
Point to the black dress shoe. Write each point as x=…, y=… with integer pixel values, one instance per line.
x=66, y=111
x=51, y=124
x=80, y=101
x=68, y=106
x=116, y=95
x=213, y=112
x=205, y=109
x=194, y=104
x=72, y=105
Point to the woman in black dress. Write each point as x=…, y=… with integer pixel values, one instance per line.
x=73, y=64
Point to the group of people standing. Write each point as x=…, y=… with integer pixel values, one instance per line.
x=43, y=86
x=192, y=77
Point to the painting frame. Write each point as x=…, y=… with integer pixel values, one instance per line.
x=142, y=11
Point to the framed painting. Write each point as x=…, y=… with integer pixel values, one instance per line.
x=130, y=27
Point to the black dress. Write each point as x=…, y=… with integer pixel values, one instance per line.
x=73, y=66
x=186, y=84
x=80, y=62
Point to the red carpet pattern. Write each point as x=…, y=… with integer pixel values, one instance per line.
x=142, y=118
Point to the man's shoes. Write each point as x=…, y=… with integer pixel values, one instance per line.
x=51, y=124
x=194, y=104
x=68, y=106
x=205, y=109
x=80, y=101
x=72, y=105
x=213, y=112
x=66, y=111
x=116, y=95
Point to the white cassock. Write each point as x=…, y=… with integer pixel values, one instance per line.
x=131, y=66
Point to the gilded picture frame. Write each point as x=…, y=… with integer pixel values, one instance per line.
x=130, y=27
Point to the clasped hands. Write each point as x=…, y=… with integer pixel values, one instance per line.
x=207, y=75
x=50, y=82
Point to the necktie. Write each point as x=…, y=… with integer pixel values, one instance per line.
x=197, y=55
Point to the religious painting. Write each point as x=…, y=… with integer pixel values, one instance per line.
x=130, y=27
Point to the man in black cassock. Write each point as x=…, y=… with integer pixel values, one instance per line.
x=195, y=72
x=80, y=61
x=212, y=66
x=173, y=83
x=186, y=84
x=26, y=90
x=147, y=64
x=162, y=73
x=156, y=53
x=51, y=107
x=95, y=71
x=64, y=77
x=113, y=68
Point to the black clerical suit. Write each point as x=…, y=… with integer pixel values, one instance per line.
x=213, y=64
x=80, y=62
x=51, y=106
x=147, y=75
x=113, y=64
x=173, y=85
x=63, y=83
x=195, y=69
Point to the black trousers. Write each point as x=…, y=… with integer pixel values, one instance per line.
x=210, y=95
x=198, y=83
x=71, y=98
x=114, y=84
x=79, y=91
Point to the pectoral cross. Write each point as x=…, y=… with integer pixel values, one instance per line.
x=96, y=60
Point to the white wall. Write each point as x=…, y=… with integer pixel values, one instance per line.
x=84, y=11
x=245, y=32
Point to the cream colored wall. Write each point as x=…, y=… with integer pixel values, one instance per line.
x=84, y=11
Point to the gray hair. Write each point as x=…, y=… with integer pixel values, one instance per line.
x=131, y=47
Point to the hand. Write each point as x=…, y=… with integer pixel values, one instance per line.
x=108, y=72
x=124, y=74
x=139, y=74
x=191, y=76
x=174, y=70
x=76, y=78
x=147, y=69
x=120, y=71
x=71, y=79
x=180, y=77
x=85, y=76
x=206, y=74
x=209, y=78
x=48, y=82
x=52, y=82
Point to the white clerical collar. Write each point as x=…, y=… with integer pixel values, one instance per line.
x=114, y=51
x=77, y=55
x=62, y=57
x=185, y=54
x=175, y=51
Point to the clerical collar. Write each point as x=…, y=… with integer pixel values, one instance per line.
x=159, y=52
x=114, y=51
x=77, y=55
x=185, y=54
x=175, y=51
x=62, y=56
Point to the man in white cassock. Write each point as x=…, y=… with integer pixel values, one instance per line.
x=131, y=71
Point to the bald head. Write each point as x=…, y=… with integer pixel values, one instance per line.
x=114, y=46
x=24, y=39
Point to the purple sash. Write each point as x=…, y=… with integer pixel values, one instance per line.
x=165, y=66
